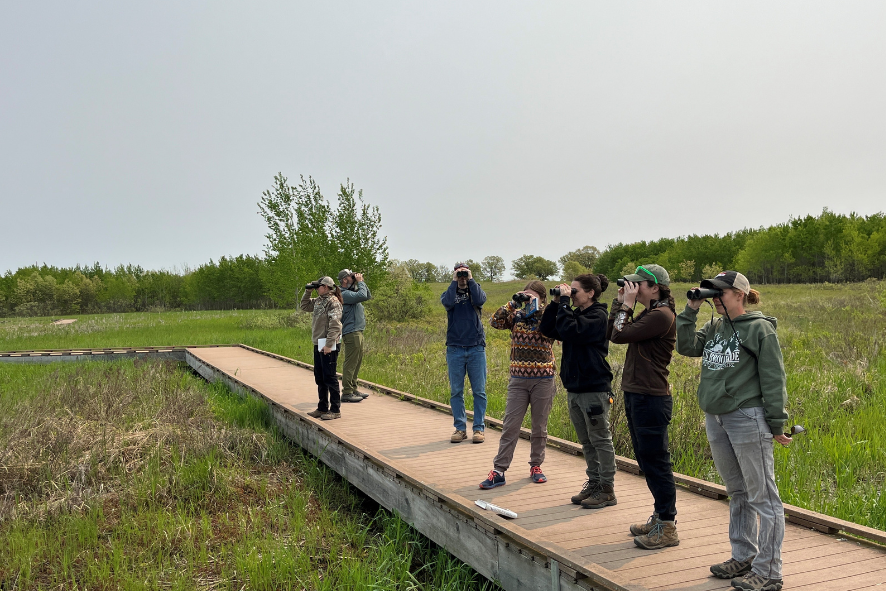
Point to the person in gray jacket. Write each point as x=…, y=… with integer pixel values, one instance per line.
x=353, y=292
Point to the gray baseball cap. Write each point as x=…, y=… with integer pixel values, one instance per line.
x=654, y=273
x=327, y=281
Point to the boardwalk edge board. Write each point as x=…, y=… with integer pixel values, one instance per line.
x=803, y=517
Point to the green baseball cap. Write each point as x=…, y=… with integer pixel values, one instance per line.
x=655, y=273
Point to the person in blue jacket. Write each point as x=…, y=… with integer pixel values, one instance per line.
x=465, y=350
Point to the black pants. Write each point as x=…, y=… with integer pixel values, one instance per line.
x=327, y=382
x=648, y=420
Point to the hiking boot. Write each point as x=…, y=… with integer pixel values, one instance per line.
x=328, y=416
x=732, y=568
x=458, y=436
x=317, y=413
x=589, y=488
x=494, y=479
x=536, y=475
x=754, y=582
x=351, y=398
x=604, y=497
x=662, y=535
x=361, y=394
x=479, y=437
x=638, y=529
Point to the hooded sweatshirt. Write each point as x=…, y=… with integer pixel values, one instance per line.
x=584, y=367
x=730, y=377
x=463, y=310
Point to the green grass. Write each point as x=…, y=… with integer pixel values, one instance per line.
x=141, y=476
x=831, y=336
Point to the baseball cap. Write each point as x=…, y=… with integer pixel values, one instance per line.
x=655, y=273
x=344, y=273
x=327, y=281
x=459, y=265
x=728, y=280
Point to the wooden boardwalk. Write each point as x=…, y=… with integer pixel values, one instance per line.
x=591, y=549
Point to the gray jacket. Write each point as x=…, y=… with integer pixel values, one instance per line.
x=353, y=317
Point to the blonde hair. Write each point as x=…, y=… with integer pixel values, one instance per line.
x=753, y=297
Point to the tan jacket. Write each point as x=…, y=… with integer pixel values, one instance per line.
x=326, y=322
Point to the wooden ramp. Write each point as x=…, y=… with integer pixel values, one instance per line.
x=399, y=453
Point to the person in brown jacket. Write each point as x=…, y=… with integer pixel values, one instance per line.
x=651, y=338
x=326, y=333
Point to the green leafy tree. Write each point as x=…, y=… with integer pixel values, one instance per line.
x=586, y=256
x=685, y=271
x=475, y=267
x=571, y=270
x=529, y=266
x=355, y=231
x=711, y=271
x=493, y=268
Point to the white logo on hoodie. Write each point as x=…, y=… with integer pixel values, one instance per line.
x=720, y=353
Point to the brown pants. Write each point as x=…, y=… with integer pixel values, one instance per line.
x=522, y=393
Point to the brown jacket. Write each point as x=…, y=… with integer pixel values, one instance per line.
x=326, y=322
x=651, y=338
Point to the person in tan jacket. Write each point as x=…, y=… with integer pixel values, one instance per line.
x=325, y=333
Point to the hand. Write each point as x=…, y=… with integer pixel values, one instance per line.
x=327, y=350
x=782, y=439
x=359, y=277
x=455, y=274
x=620, y=298
x=630, y=290
x=696, y=304
x=565, y=290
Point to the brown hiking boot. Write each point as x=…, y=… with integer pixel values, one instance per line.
x=479, y=437
x=732, y=568
x=641, y=529
x=662, y=535
x=328, y=416
x=604, y=497
x=588, y=489
x=316, y=413
x=754, y=582
x=458, y=436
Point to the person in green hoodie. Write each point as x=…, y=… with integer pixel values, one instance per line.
x=743, y=394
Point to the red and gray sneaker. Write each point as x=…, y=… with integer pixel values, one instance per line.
x=494, y=479
x=536, y=475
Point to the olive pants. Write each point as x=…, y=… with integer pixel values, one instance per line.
x=352, y=347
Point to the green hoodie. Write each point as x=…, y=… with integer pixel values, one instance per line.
x=730, y=378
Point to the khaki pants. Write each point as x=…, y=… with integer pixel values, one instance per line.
x=352, y=347
x=523, y=393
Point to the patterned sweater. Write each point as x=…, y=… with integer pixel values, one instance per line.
x=531, y=355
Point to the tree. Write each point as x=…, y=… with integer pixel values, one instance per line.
x=711, y=271
x=586, y=256
x=475, y=267
x=571, y=270
x=355, y=232
x=529, y=266
x=685, y=271
x=493, y=267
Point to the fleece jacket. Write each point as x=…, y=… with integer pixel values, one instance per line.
x=583, y=332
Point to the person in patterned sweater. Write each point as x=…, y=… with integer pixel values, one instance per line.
x=531, y=383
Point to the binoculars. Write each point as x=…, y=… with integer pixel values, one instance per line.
x=461, y=273
x=519, y=298
x=312, y=285
x=620, y=282
x=703, y=293
x=555, y=291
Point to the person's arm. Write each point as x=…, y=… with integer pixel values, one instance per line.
x=579, y=328
x=770, y=367
x=648, y=326
x=333, y=324
x=306, y=304
x=548, y=324
x=690, y=342
x=361, y=294
x=448, y=296
x=478, y=296
x=503, y=319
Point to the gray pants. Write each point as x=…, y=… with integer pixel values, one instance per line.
x=741, y=444
x=524, y=393
x=589, y=412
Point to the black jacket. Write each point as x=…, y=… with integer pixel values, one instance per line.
x=584, y=367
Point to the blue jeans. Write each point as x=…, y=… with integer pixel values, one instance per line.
x=741, y=444
x=470, y=361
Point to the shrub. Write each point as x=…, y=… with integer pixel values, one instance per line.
x=399, y=298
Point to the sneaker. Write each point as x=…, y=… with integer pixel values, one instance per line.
x=351, y=398
x=536, y=475
x=317, y=413
x=494, y=479
x=662, y=535
x=603, y=497
x=479, y=437
x=754, y=582
x=638, y=529
x=589, y=488
x=732, y=568
x=362, y=394
x=328, y=416
x=458, y=436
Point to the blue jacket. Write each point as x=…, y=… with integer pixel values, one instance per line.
x=463, y=311
x=353, y=317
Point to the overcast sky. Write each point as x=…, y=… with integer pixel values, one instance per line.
x=145, y=133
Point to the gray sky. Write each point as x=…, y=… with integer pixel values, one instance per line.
x=145, y=133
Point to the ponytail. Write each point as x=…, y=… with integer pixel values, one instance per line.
x=598, y=283
x=752, y=298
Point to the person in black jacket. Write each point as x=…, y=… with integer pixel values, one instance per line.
x=587, y=377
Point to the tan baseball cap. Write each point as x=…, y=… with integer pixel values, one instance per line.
x=728, y=280
x=327, y=281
